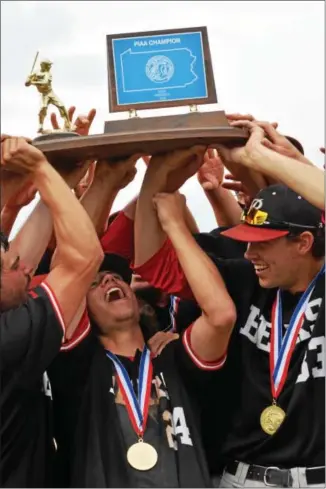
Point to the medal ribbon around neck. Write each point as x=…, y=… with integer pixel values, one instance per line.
x=282, y=348
x=137, y=408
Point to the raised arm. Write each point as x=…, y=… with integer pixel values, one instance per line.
x=109, y=179
x=34, y=236
x=78, y=253
x=305, y=179
x=165, y=173
x=210, y=176
x=211, y=332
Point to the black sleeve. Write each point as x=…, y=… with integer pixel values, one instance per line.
x=195, y=373
x=239, y=277
x=69, y=370
x=31, y=334
x=221, y=246
x=186, y=312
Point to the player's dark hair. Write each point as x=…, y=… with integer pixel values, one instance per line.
x=4, y=244
x=318, y=246
x=4, y=241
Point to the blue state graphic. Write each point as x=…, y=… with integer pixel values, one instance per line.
x=159, y=68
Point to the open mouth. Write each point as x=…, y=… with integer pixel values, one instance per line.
x=260, y=268
x=114, y=294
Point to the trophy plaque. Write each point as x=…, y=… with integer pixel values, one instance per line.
x=154, y=70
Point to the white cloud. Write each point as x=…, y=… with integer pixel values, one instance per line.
x=268, y=59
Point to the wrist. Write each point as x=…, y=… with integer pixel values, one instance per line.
x=41, y=168
x=153, y=184
x=157, y=171
x=175, y=227
x=252, y=158
x=304, y=160
x=213, y=192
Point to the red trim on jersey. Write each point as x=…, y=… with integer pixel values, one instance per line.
x=37, y=280
x=55, y=304
x=119, y=237
x=82, y=330
x=202, y=364
x=164, y=272
x=176, y=303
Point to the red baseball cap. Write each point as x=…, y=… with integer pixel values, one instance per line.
x=250, y=234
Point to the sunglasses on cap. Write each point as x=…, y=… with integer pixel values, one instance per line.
x=257, y=217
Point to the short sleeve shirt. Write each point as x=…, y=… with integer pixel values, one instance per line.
x=30, y=337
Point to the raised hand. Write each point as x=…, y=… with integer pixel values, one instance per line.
x=178, y=166
x=17, y=154
x=159, y=341
x=241, y=154
x=86, y=181
x=279, y=143
x=170, y=209
x=23, y=197
x=243, y=194
x=119, y=173
x=245, y=117
x=81, y=125
x=211, y=173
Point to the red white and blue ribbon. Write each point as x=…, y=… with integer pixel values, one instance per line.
x=137, y=407
x=282, y=347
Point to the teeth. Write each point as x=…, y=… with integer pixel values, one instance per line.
x=260, y=268
x=114, y=290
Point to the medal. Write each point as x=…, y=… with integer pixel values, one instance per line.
x=271, y=419
x=281, y=350
x=141, y=455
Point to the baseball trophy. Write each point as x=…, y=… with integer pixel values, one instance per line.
x=42, y=80
x=151, y=70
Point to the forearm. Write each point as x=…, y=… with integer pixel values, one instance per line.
x=252, y=180
x=130, y=209
x=8, y=218
x=98, y=201
x=10, y=186
x=33, y=238
x=149, y=236
x=225, y=207
x=307, y=180
x=191, y=221
x=202, y=275
x=67, y=213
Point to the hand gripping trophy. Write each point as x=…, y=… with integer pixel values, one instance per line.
x=42, y=80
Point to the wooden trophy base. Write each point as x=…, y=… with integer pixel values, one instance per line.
x=146, y=136
x=54, y=135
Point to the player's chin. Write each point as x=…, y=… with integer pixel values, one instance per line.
x=123, y=308
x=13, y=301
x=267, y=282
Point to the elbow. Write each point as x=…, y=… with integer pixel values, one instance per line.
x=223, y=318
x=97, y=255
x=90, y=260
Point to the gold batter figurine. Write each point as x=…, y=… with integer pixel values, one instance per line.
x=42, y=80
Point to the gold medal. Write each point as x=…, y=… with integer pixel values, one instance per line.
x=271, y=419
x=142, y=456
